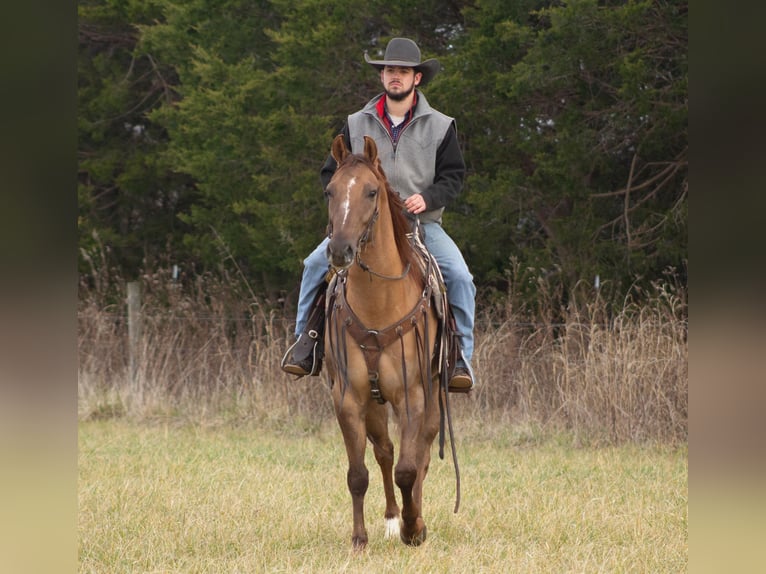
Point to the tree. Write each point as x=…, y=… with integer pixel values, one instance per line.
x=127, y=197
x=577, y=139
x=254, y=121
x=203, y=125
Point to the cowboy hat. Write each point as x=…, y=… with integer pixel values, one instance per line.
x=405, y=53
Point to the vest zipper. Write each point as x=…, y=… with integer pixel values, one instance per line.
x=394, y=144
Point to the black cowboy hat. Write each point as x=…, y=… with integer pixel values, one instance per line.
x=405, y=53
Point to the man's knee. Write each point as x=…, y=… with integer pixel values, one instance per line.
x=318, y=257
x=459, y=277
x=315, y=260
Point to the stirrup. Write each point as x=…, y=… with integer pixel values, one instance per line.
x=305, y=355
x=460, y=381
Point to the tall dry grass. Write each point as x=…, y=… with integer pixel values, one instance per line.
x=608, y=376
x=210, y=350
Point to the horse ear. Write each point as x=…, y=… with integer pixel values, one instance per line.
x=370, y=149
x=339, y=150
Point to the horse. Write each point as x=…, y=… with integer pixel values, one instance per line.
x=382, y=341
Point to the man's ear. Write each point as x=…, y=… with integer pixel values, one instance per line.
x=418, y=77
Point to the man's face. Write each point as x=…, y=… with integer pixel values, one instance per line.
x=399, y=82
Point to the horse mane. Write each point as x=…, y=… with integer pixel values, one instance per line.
x=401, y=223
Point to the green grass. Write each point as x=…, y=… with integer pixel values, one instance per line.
x=189, y=499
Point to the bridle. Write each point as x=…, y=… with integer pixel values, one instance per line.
x=367, y=237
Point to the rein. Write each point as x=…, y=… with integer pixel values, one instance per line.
x=365, y=238
x=364, y=267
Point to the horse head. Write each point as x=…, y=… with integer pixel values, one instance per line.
x=353, y=196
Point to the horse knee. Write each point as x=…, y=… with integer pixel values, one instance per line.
x=358, y=479
x=384, y=451
x=405, y=477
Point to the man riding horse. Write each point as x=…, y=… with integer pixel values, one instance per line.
x=419, y=152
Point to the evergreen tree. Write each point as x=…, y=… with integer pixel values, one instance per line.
x=576, y=137
x=203, y=125
x=128, y=199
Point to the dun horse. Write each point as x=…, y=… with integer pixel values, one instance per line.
x=383, y=342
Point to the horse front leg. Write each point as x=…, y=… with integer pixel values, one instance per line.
x=406, y=476
x=377, y=432
x=423, y=452
x=412, y=468
x=358, y=480
x=352, y=425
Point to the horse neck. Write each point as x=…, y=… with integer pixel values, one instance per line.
x=381, y=256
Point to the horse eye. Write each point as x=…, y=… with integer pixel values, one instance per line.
x=372, y=193
x=327, y=194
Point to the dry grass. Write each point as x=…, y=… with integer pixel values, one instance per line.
x=207, y=458
x=190, y=499
x=211, y=353
x=609, y=378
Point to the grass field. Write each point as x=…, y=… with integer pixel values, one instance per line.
x=226, y=498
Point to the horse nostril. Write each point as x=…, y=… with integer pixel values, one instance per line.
x=340, y=256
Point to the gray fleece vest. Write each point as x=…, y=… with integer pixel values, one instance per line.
x=410, y=166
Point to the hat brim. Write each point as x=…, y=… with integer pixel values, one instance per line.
x=428, y=68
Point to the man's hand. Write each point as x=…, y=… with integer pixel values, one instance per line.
x=415, y=204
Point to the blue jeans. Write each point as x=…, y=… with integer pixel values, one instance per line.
x=461, y=292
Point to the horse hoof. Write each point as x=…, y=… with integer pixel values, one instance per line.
x=416, y=540
x=358, y=543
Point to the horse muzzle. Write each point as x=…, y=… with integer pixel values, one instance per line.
x=340, y=254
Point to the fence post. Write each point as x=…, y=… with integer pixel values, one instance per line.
x=134, y=329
